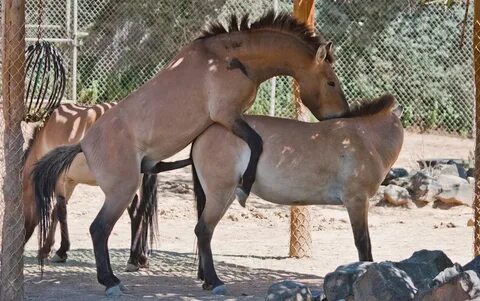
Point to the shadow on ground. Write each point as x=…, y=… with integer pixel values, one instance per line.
x=171, y=276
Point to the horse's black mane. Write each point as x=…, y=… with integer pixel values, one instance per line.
x=281, y=21
x=370, y=107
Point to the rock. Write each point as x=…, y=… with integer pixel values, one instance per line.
x=434, y=162
x=396, y=195
x=473, y=265
x=394, y=173
x=423, y=266
x=461, y=194
x=471, y=222
x=383, y=281
x=446, y=169
x=402, y=182
x=288, y=291
x=463, y=286
x=427, y=192
x=471, y=180
x=471, y=172
x=339, y=284
x=378, y=196
x=447, y=274
x=447, y=181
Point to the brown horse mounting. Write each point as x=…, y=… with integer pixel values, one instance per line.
x=68, y=124
x=334, y=162
x=211, y=80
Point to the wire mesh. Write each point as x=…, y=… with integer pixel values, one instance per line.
x=476, y=203
x=403, y=48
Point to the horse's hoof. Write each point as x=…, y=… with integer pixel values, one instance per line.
x=123, y=288
x=114, y=291
x=144, y=265
x=241, y=196
x=131, y=268
x=58, y=259
x=220, y=290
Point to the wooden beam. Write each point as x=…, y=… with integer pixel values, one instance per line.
x=300, y=228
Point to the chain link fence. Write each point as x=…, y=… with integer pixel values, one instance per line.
x=413, y=51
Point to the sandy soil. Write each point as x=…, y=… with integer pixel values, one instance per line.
x=250, y=244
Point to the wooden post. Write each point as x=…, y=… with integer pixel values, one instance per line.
x=300, y=229
x=476, y=56
x=13, y=114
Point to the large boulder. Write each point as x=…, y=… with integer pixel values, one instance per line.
x=473, y=265
x=384, y=282
x=394, y=173
x=457, y=286
x=423, y=266
x=396, y=195
x=448, y=181
x=461, y=194
x=339, y=283
x=288, y=291
x=424, y=187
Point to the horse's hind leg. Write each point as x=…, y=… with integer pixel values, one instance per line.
x=358, y=213
x=61, y=254
x=50, y=240
x=138, y=256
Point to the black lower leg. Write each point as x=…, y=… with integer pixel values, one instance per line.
x=50, y=240
x=62, y=219
x=204, y=236
x=100, y=231
x=255, y=143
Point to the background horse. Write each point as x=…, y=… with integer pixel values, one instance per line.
x=335, y=162
x=211, y=80
x=67, y=125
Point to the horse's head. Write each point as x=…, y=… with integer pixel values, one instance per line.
x=320, y=89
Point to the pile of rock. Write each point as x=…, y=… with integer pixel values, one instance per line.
x=437, y=182
x=425, y=276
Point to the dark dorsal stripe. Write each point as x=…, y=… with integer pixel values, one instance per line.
x=281, y=21
x=371, y=107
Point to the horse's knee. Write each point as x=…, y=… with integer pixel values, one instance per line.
x=99, y=230
x=203, y=232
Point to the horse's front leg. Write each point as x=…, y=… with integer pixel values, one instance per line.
x=358, y=213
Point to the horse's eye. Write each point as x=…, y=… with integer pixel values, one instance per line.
x=332, y=84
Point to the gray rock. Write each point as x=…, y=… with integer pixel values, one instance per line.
x=471, y=180
x=339, y=284
x=288, y=291
x=396, y=195
x=427, y=192
x=402, y=182
x=383, y=281
x=461, y=194
x=394, y=173
x=446, y=169
x=378, y=196
x=423, y=266
x=473, y=265
x=447, y=274
x=447, y=181
x=463, y=286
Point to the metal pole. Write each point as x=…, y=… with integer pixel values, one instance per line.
x=75, y=50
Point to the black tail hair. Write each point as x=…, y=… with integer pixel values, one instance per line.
x=148, y=197
x=45, y=174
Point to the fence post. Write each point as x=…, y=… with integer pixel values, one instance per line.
x=300, y=230
x=476, y=56
x=13, y=113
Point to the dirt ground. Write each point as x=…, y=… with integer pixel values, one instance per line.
x=250, y=245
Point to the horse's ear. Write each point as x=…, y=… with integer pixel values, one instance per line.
x=398, y=110
x=325, y=53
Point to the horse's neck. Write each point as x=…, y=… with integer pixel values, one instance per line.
x=266, y=53
x=386, y=133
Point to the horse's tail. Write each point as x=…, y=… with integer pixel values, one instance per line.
x=148, y=197
x=45, y=175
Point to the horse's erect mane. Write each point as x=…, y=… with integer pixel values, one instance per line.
x=371, y=107
x=270, y=20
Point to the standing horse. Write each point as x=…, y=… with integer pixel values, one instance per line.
x=211, y=80
x=334, y=162
x=67, y=125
